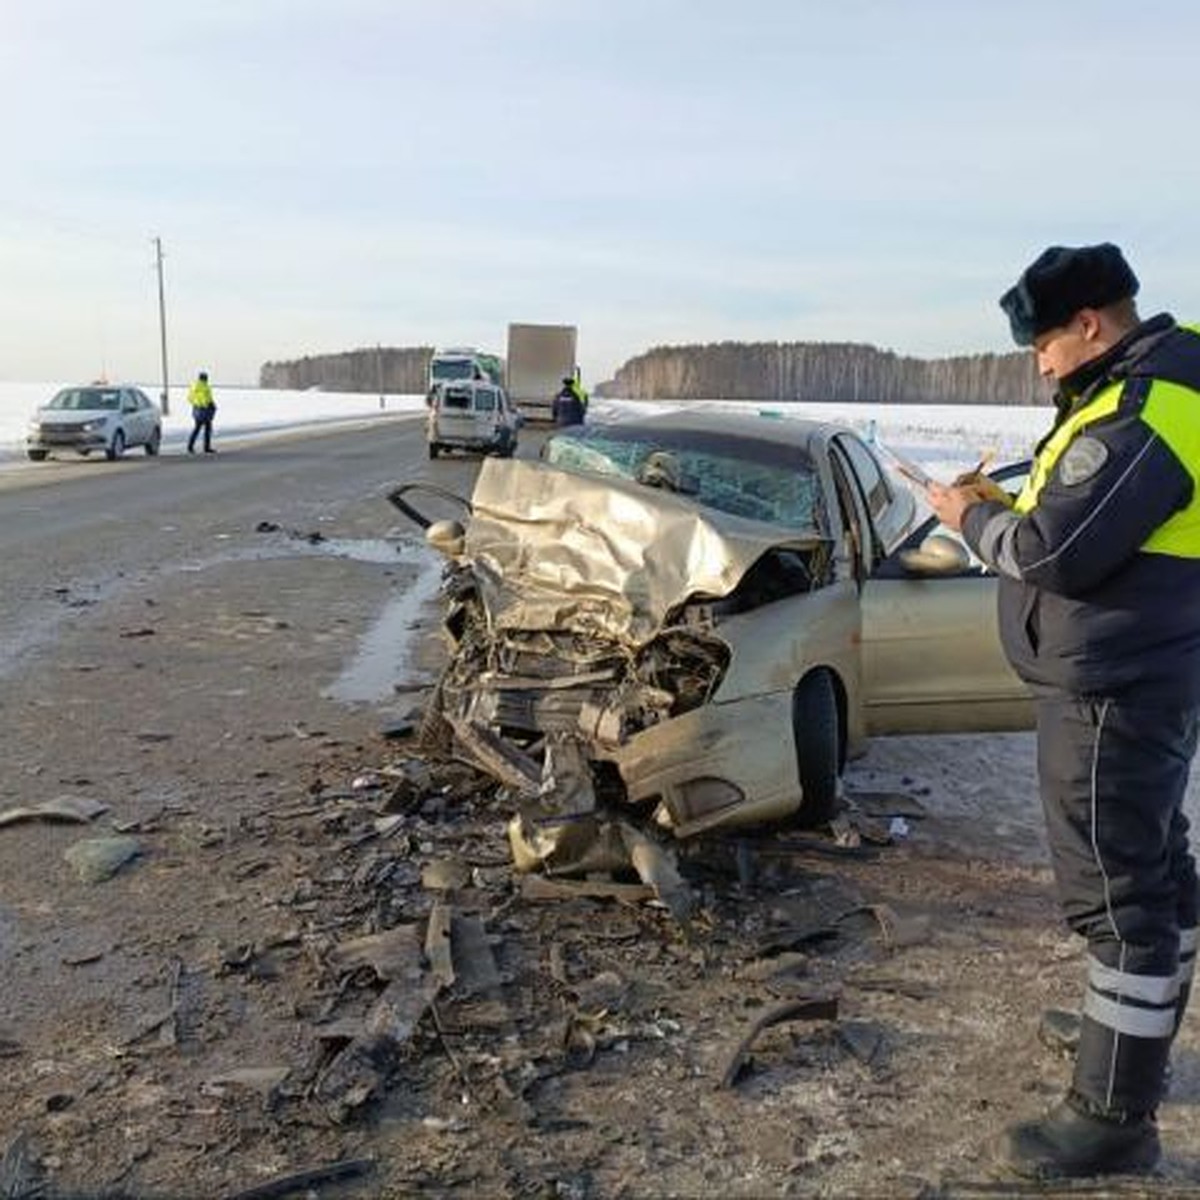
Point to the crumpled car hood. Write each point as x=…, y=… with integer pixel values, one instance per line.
x=604, y=557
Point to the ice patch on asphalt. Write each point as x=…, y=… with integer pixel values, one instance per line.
x=385, y=651
x=44, y=622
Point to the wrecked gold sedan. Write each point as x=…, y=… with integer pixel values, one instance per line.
x=700, y=617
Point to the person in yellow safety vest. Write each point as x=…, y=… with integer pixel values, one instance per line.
x=204, y=408
x=1098, y=560
x=579, y=390
x=570, y=405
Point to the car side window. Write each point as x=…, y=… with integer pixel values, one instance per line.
x=129, y=402
x=854, y=518
x=875, y=487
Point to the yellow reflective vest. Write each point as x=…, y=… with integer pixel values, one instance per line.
x=1172, y=411
x=1099, y=557
x=200, y=395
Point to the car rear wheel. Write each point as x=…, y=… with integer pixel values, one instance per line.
x=155, y=441
x=815, y=730
x=433, y=449
x=117, y=448
x=37, y=455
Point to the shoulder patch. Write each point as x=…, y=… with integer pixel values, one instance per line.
x=1083, y=458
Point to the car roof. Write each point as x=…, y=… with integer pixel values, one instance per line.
x=101, y=387
x=801, y=432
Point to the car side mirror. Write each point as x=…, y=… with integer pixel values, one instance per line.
x=937, y=555
x=446, y=537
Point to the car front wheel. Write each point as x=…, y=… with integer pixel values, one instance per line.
x=117, y=448
x=815, y=730
x=37, y=455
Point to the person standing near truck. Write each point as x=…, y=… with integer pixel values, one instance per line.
x=204, y=408
x=579, y=390
x=570, y=405
x=1098, y=561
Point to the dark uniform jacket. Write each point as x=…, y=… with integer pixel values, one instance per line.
x=1099, y=559
x=568, y=408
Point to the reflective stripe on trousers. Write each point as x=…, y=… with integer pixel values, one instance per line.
x=1112, y=777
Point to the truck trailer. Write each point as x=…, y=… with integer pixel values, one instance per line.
x=539, y=358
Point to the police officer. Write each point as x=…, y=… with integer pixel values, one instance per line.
x=1099, y=583
x=570, y=405
x=204, y=408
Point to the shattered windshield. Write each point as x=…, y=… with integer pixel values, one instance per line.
x=745, y=477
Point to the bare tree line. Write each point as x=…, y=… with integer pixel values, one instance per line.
x=823, y=371
x=772, y=371
x=399, y=370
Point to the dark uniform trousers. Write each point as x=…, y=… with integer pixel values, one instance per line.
x=202, y=418
x=1112, y=777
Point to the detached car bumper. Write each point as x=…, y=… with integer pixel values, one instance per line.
x=720, y=765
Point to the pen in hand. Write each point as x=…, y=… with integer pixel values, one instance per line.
x=977, y=470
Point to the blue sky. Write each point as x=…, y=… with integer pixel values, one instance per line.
x=329, y=174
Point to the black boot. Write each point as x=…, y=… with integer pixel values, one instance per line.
x=1071, y=1143
x=1106, y=1124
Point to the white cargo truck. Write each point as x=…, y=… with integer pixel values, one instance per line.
x=462, y=362
x=539, y=358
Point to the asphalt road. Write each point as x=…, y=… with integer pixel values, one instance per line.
x=80, y=528
x=87, y=511
x=173, y=633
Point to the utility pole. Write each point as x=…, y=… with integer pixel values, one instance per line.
x=162, y=326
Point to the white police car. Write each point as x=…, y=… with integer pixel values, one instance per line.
x=99, y=416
